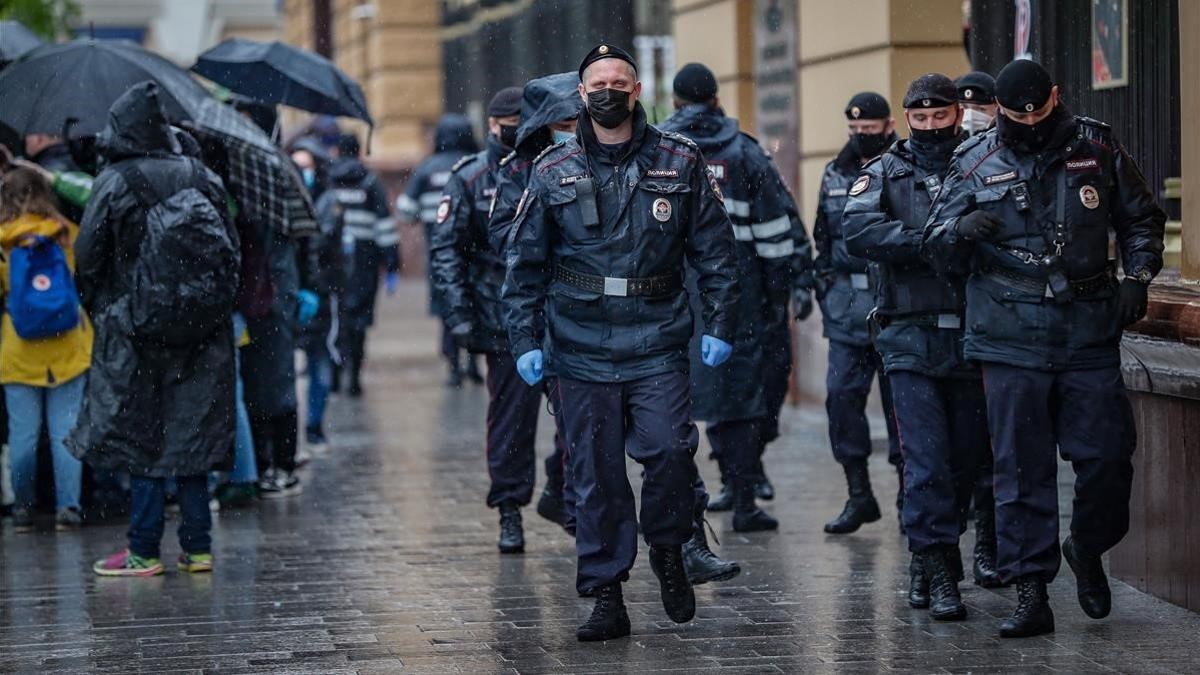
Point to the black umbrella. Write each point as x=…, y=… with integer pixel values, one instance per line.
x=80, y=80
x=15, y=40
x=279, y=73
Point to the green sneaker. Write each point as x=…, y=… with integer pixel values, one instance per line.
x=195, y=562
x=128, y=564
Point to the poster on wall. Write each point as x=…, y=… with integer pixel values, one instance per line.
x=776, y=110
x=1022, y=28
x=1110, y=46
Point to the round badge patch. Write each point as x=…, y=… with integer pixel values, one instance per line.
x=860, y=186
x=968, y=94
x=1089, y=197
x=41, y=283
x=443, y=211
x=661, y=210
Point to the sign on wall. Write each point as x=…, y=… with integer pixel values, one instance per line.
x=1022, y=28
x=1110, y=43
x=776, y=90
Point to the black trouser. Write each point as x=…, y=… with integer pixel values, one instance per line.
x=275, y=441
x=848, y=385
x=652, y=418
x=739, y=445
x=1083, y=414
x=512, y=417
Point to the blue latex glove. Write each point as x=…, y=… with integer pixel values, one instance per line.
x=391, y=282
x=529, y=367
x=307, y=303
x=714, y=352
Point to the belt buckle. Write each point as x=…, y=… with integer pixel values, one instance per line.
x=616, y=286
x=949, y=321
x=859, y=281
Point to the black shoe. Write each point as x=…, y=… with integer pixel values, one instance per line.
x=455, y=379
x=945, y=603
x=678, y=597
x=722, y=501
x=609, y=620
x=355, y=390
x=861, y=507
x=1091, y=583
x=918, y=586
x=279, y=484
x=986, y=573
x=1032, y=615
x=764, y=490
x=702, y=565
x=747, y=517
x=473, y=373
x=551, y=505
x=512, y=534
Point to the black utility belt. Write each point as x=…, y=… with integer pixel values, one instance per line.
x=1039, y=286
x=665, y=284
x=946, y=320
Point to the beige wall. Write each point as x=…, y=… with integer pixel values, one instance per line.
x=396, y=56
x=845, y=46
x=1189, y=89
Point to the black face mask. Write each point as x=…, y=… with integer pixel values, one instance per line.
x=869, y=146
x=608, y=107
x=934, y=136
x=1028, y=136
x=508, y=135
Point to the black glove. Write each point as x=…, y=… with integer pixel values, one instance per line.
x=1132, y=301
x=979, y=225
x=802, y=303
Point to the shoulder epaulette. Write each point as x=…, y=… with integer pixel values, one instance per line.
x=463, y=161
x=872, y=162
x=548, y=151
x=508, y=158
x=1088, y=121
x=680, y=138
x=965, y=147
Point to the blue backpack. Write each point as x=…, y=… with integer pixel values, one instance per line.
x=42, y=300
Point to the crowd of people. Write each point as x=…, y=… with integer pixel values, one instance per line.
x=636, y=278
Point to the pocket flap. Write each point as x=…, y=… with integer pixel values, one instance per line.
x=991, y=195
x=561, y=195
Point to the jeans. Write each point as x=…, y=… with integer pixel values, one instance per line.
x=245, y=467
x=320, y=378
x=146, y=521
x=27, y=406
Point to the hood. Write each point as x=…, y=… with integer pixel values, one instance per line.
x=704, y=124
x=137, y=125
x=29, y=225
x=454, y=134
x=547, y=100
x=347, y=171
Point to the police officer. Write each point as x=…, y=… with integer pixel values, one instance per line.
x=453, y=140
x=369, y=243
x=977, y=96
x=547, y=102
x=773, y=258
x=1030, y=206
x=844, y=292
x=468, y=275
x=937, y=395
x=594, y=275
x=549, y=108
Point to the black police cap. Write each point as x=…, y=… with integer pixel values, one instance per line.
x=932, y=90
x=695, y=83
x=1023, y=86
x=506, y=103
x=868, y=106
x=606, y=51
x=976, y=87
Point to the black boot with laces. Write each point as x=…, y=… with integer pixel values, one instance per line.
x=1090, y=581
x=945, y=603
x=918, y=586
x=512, y=533
x=678, y=597
x=1032, y=615
x=701, y=564
x=986, y=573
x=861, y=507
x=609, y=620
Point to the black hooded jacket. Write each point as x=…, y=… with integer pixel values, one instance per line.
x=149, y=409
x=453, y=139
x=774, y=259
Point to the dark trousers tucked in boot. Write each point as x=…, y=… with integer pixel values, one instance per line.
x=945, y=602
x=723, y=500
x=986, y=574
x=740, y=442
x=1032, y=615
x=861, y=507
x=678, y=597
x=1090, y=581
x=918, y=585
x=747, y=517
x=609, y=619
x=512, y=533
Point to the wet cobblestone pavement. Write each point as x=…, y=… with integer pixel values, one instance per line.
x=387, y=562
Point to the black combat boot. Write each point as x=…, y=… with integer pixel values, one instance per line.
x=900, y=496
x=609, y=620
x=550, y=504
x=747, y=517
x=701, y=564
x=355, y=388
x=986, y=574
x=678, y=597
x=763, y=489
x=918, y=585
x=945, y=603
x=473, y=373
x=861, y=507
x=1032, y=615
x=1091, y=584
x=512, y=534
x=723, y=500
